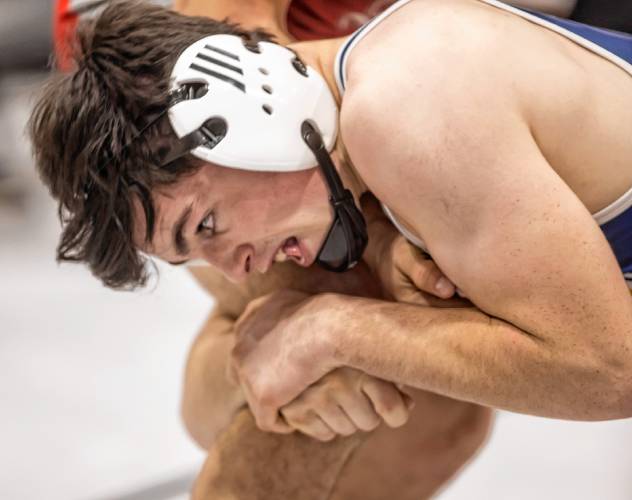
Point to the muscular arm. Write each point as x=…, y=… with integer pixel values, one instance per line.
x=210, y=399
x=552, y=336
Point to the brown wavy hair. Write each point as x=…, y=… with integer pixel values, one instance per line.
x=84, y=121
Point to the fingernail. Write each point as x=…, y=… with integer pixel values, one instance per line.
x=444, y=286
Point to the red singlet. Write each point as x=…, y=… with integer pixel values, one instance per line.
x=306, y=19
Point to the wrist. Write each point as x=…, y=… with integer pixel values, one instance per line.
x=335, y=323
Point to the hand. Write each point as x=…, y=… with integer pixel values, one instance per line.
x=405, y=272
x=344, y=401
x=409, y=275
x=281, y=348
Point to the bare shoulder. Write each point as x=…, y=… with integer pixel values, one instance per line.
x=416, y=89
x=427, y=35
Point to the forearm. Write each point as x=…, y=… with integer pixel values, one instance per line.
x=465, y=354
x=210, y=399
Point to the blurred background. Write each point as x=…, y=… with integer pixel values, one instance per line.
x=90, y=378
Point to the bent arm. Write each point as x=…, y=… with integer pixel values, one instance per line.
x=553, y=336
x=210, y=398
x=468, y=355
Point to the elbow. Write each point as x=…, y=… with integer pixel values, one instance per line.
x=618, y=367
x=619, y=391
x=592, y=383
x=611, y=381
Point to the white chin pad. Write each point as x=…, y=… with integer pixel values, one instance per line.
x=263, y=99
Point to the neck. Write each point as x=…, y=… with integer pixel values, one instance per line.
x=321, y=55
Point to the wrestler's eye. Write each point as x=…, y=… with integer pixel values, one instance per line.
x=207, y=225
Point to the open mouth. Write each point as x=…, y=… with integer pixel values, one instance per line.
x=290, y=250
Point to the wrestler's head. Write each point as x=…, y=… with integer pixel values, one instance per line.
x=118, y=201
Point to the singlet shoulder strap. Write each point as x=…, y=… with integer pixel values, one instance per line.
x=340, y=65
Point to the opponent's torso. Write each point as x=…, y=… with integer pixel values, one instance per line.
x=575, y=84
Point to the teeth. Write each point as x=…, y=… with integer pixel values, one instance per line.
x=280, y=256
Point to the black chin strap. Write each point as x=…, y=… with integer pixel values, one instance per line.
x=346, y=214
x=314, y=141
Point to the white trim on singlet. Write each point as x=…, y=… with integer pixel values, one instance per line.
x=354, y=39
x=418, y=242
x=607, y=214
x=615, y=209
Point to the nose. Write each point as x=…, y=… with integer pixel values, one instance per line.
x=237, y=265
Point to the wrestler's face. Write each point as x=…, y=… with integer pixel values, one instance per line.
x=238, y=221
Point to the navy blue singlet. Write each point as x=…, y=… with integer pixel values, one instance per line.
x=616, y=219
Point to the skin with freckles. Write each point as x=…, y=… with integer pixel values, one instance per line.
x=213, y=191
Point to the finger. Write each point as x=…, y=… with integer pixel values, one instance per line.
x=337, y=420
x=387, y=400
x=360, y=411
x=428, y=277
x=267, y=417
x=309, y=424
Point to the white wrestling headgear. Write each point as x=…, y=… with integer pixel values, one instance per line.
x=249, y=102
x=259, y=107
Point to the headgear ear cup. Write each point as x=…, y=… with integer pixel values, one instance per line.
x=262, y=96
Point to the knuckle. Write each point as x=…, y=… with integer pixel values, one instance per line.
x=387, y=403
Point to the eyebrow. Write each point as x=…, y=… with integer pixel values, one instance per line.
x=179, y=241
